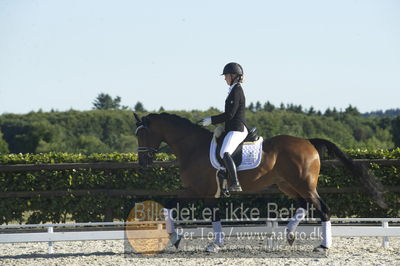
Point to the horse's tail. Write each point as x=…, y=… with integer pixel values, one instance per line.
x=369, y=180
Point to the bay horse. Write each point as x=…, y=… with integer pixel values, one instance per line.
x=292, y=163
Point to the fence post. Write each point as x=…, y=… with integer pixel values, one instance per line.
x=385, y=242
x=50, y=231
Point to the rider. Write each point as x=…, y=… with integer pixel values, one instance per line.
x=235, y=124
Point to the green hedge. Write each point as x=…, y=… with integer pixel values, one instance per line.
x=93, y=207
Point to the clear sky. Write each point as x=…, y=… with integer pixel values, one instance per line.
x=62, y=54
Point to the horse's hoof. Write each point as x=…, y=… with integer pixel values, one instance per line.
x=175, y=240
x=177, y=243
x=235, y=188
x=321, y=248
x=213, y=248
x=290, y=238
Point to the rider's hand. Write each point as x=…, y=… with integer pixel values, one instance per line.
x=206, y=121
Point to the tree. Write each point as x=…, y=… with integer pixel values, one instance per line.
x=251, y=107
x=161, y=109
x=3, y=144
x=269, y=107
x=384, y=122
x=352, y=110
x=294, y=108
x=328, y=112
x=23, y=135
x=105, y=131
x=311, y=111
x=88, y=144
x=396, y=131
x=258, y=106
x=139, y=107
x=332, y=113
x=105, y=102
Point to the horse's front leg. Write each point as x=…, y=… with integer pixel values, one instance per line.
x=175, y=238
x=175, y=204
x=218, y=242
x=168, y=212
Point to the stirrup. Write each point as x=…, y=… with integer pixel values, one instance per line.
x=226, y=193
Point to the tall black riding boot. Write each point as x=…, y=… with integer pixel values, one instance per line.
x=231, y=169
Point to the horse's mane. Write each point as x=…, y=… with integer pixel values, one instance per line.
x=178, y=121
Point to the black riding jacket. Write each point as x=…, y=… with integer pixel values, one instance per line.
x=233, y=116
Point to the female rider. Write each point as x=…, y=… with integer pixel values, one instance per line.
x=235, y=124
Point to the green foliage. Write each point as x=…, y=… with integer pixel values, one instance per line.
x=106, y=102
x=351, y=110
x=396, y=130
x=113, y=130
x=72, y=131
x=389, y=112
x=139, y=107
x=93, y=207
x=3, y=144
x=360, y=204
x=269, y=107
x=79, y=208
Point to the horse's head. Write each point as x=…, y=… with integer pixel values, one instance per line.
x=148, y=140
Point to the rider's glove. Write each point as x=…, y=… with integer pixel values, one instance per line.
x=206, y=121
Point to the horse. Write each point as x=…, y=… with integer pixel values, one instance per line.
x=291, y=163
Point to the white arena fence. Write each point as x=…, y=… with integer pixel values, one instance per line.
x=341, y=227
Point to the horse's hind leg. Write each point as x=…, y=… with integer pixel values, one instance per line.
x=325, y=216
x=300, y=212
x=323, y=212
x=305, y=192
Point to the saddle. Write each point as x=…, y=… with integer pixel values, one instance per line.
x=237, y=155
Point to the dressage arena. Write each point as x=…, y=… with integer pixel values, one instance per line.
x=358, y=249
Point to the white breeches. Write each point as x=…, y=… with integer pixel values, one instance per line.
x=232, y=141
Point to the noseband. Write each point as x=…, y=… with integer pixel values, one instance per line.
x=149, y=150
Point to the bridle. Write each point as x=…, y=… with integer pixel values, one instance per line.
x=150, y=152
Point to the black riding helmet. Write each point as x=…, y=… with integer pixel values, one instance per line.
x=233, y=68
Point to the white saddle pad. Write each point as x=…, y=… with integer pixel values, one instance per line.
x=251, y=156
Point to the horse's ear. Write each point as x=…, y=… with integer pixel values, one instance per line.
x=137, y=118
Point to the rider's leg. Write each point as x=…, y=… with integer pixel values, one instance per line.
x=231, y=169
x=231, y=142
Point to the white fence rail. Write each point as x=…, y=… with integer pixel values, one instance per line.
x=341, y=227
